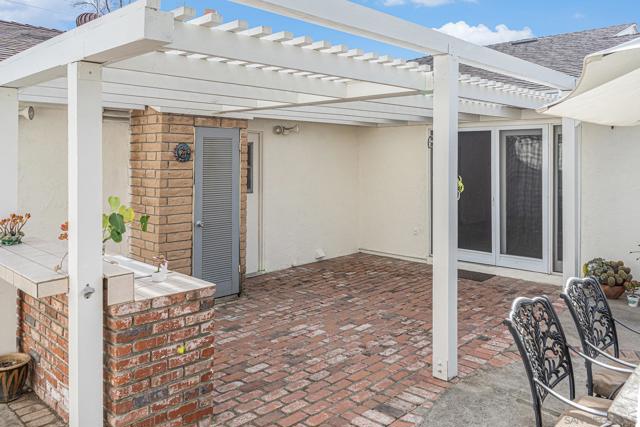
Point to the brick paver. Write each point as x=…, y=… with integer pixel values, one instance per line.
x=347, y=341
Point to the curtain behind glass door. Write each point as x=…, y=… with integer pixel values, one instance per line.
x=474, y=207
x=521, y=158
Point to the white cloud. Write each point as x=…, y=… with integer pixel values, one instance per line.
x=483, y=35
x=47, y=13
x=390, y=3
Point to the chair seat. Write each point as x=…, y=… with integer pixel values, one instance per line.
x=575, y=418
x=606, y=382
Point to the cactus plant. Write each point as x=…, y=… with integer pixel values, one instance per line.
x=610, y=274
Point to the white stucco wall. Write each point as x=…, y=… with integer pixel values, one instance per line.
x=310, y=193
x=43, y=169
x=611, y=193
x=393, y=172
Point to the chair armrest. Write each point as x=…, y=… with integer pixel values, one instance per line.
x=629, y=328
x=570, y=402
x=604, y=365
x=612, y=358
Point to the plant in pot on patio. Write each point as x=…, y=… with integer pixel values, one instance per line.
x=11, y=229
x=632, y=293
x=613, y=276
x=14, y=371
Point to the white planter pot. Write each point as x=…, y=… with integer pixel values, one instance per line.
x=158, y=276
x=633, y=300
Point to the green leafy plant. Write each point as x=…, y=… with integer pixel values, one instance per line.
x=114, y=223
x=611, y=273
x=632, y=287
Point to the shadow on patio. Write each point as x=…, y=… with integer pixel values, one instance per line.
x=348, y=341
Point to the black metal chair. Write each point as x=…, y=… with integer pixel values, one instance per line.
x=596, y=327
x=543, y=346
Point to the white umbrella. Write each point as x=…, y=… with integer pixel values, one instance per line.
x=608, y=92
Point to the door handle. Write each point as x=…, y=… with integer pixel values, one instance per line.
x=199, y=224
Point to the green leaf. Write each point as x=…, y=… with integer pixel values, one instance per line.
x=114, y=202
x=128, y=214
x=144, y=222
x=117, y=223
x=105, y=221
x=116, y=236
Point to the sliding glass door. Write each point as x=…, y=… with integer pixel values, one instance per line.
x=502, y=214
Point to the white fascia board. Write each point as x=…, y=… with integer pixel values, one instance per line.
x=349, y=17
x=193, y=38
x=200, y=69
x=127, y=32
x=487, y=94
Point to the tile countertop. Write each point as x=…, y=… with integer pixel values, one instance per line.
x=624, y=409
x=146, y=288
x=30, y=267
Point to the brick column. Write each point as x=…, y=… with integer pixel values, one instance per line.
x=163, y=187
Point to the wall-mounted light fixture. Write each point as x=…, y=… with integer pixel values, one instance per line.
x=284, y=130
x=28, y=113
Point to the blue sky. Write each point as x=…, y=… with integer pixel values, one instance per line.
x=480, y=21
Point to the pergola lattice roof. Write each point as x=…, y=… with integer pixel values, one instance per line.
x=176, y=62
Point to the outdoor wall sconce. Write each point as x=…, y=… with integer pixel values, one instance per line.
x=28, y=113
x=284, y=130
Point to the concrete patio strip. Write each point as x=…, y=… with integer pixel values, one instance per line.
x=347, y=341
x=483, y=400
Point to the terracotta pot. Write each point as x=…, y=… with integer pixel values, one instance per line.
x=13, y=375
x=612, y=292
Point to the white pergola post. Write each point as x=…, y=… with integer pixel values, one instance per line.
x=8, y=204
x=85, y=244
x=445, y=217
x=570, y=198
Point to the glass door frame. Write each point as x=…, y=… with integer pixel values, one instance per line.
x=496, y=257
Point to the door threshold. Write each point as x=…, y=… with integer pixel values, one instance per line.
x=531, y=276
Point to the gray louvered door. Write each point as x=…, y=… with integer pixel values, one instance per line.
x=216, y=252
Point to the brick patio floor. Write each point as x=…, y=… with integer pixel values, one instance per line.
x=348, y=342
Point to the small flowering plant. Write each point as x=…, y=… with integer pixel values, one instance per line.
x=11, y=229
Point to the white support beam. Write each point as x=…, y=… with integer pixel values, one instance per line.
x=571, y=236
x=85, y=244
x=8, y=204
x=353, y=18
x=9, y=150
x=445, y=217
x=124, y=33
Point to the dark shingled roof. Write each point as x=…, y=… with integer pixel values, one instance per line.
x=14, y=37
x=562, y=52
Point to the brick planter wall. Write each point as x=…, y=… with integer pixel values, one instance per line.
x=43, y=332
x=163, y=187
x=147, y=381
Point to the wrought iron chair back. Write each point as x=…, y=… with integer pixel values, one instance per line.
x=594, y=320
x=543, y=347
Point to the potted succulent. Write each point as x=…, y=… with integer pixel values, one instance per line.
x=11, y=229
x=14, y=371
x=613, y=276
x=633, y=299
x=160, y=275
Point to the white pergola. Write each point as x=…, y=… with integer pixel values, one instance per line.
x=176, y=62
